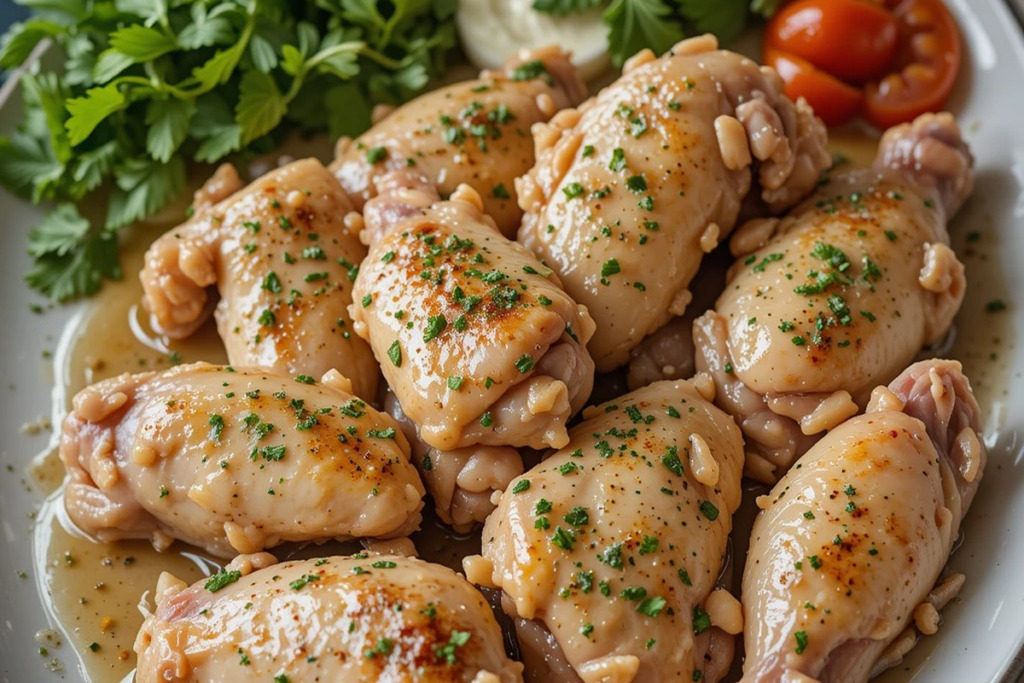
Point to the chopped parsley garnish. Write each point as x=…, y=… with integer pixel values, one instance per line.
x=563, y=538
x=525, y=363
x=435, y=325
x=303, y=581
x=709, y=510
x=221, y=579
x=573, y=190
x=651, y=607
x=701, y=620
x=521, y=486
x=395, y=353
x=578, y=516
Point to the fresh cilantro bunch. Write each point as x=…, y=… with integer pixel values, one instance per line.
x=150, y=85
x=659, y=24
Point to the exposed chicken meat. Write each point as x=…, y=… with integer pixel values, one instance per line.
x=284, y=261
x=474, y=335
x=614, y=543
x=839, y=296
x=475, y=132
x=851, y=542
x=234, y=461
x=633, y=188
x=462, y=482
x=379, y=619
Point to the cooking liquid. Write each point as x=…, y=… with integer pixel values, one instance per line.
x=93, y=590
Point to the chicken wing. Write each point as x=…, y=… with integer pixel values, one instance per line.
x=613, y=545
x=851, y=542
x=475, y=132
x=234, y=461
x=474, y=335
x=379, y=619
x=284, y=261
x=840, y=295
x=633, y=188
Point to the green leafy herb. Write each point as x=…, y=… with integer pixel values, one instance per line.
x=221, y=579
x=146, y=87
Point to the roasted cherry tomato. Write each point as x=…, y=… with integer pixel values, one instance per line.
x=834, y=101
x=925, y=68
x=850, y=39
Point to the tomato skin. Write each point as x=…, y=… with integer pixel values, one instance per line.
x=850, y=39
x=925, y=69
x=833, y=101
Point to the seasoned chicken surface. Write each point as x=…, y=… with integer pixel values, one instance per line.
x=475, y=336
x=852, y=540
x=840, y=295
x=379, y=619
x=613, y=544
x=461, y=482
x=234, y=460
x=474, y=132
x=633, y=188
x=284, y=262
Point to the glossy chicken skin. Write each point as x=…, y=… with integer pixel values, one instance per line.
x=475, y=336
x=840, y=295
x=633, y=188
x=234, y=461
x=284, y=262
x=377, y=619
x=614, y=543
x=852, y=540
x=474, y=132
x=461, y=482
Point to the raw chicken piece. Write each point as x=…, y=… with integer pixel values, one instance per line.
x=633, y=188
x=461, y=482
x=378, y=619
x=608, y=552
x=839, y=296
x=284, y=261
x=852, y=540
x=475, y=132
x=474, y=335
x=234, y=461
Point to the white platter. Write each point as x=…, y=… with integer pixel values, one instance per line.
x=982, y=637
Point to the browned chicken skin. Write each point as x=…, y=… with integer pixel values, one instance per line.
x=845, y=556
x=840, y=295
x=474, y=132
x=475, y=336
x=234, y=460
x=284, y=261
x=633, y=188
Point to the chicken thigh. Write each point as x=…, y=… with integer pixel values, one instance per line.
x=474, y=132
x=613, y=545
x=234, y=461
x=379, y=619
x=461, y=482
x=851, y=542
x=284, y=261
x=474, y=335
x=840, y=295
x=633, y=188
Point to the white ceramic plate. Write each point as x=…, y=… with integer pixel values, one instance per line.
x=983, y=632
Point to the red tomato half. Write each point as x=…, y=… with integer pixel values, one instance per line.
x=850, y=39
x=834, y=101
x=925, y=69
